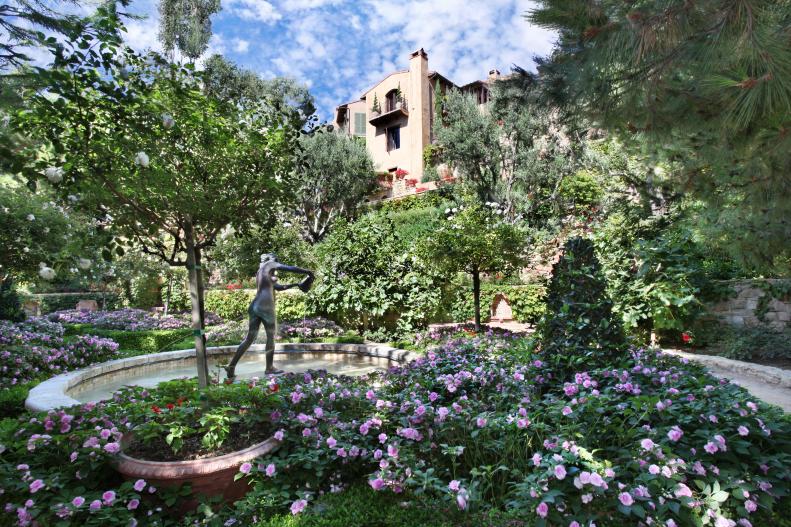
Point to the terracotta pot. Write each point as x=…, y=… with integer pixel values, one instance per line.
x=210, y=477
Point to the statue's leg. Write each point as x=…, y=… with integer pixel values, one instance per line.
x=270, y=348
x=252, y=333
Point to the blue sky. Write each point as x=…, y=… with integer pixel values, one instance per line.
x=338, y=48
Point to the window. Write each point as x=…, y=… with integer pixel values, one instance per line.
x=483, y=95
x=359, y=124
x=393, y=138
x=390, y=100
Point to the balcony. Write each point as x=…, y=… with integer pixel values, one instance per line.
x=388, y=117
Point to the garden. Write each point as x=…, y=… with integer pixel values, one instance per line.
x=621, y=202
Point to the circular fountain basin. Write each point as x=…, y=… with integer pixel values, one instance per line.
x=100, y=381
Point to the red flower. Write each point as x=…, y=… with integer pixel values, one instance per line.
x=179, y=401
x=686, y=338
x=156, y=409
x=170, y=406
x=400, y=173
x=274, y=388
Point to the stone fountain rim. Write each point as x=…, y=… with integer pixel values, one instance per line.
x=53, y=393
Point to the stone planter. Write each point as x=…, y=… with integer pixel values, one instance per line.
x=210, y=477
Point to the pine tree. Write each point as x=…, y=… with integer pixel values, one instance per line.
x=701, y=87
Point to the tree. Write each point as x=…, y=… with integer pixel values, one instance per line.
x=579, y=330
x=475, y=239
x=337, y=175
x=702, y=89
x=185, y=25
x=143, y=147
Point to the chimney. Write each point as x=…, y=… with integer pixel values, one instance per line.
x=419, y=107
x=494, y=74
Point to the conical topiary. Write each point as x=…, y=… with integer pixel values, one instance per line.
x=10, y=307
x=578, y=330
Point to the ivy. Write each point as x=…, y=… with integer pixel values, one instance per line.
x=774, y=290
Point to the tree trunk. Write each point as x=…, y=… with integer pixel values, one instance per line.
x=167, y=293
x=196, y=298
x=476, y=293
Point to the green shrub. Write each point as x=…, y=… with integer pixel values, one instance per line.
x=229, y=304
x=579, y=330
x=360, y=506
x=10, y=306
x=12, y=400
x=150, y=341
x=743, y=342
x=233, y=304
x=527, y=302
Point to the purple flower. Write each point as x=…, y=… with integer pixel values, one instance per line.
x=743, y=431
x=377, y=483
x=481, y=422
x=675, y=433
x=108, y=497
x=542, y=509
x=95, y=505
x=331, y=442
x=270, y=470
x=78, y=501
x=133, y=504
x=245, y=468
x=626, y=499
x=566, y=410
x=710, y=447
x=36, y=486
x=112, y=448
x=298, y=506
x=560, y=471
x=454, y=485
x=683, y=491
x=139, y=485
x=647, y=444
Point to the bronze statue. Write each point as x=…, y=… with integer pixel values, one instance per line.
x=262, y=309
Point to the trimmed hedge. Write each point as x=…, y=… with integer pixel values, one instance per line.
x=150, y=341
x=527, y=301
x=51, y=302
x=12, y=400
x=233, y=304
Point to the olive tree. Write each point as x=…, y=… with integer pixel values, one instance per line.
x=142, y=146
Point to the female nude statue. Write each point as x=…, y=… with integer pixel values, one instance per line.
x=262, y=309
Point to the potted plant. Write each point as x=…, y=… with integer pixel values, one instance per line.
x=399, y=97
x=401, y=173
x=205, y=442
x=376, y=110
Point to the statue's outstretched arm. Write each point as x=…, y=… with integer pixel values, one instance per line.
x=292, y=269
x=304, y=285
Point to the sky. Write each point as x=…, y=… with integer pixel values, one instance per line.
x=339, y=48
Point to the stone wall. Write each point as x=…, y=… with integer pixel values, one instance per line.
x=745, y=304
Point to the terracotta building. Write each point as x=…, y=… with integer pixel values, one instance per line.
x=396, y=119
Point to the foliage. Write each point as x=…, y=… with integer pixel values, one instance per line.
x=579, y=330
x=186, y=25
x=475, y=239
x=310, y=328
x=123, y=319
x=10, y=306
x=654, y=269
x=12, y=399
x=337, y=176
x=527, y=301
x=371, y=277
x=37, y=349
x=237, y=254
x=415, y=201
x=702, y=92
x=51, y=302
x=233, y=304
x=751, y=343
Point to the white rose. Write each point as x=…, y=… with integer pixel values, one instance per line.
x=84, y=263
x=141, y=159
x=54, y=174
x=168, y=121
x=30, y=217
x=45, y=272
x=72, y=198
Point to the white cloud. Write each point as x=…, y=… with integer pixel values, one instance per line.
x=258, y=10
x=240, y=45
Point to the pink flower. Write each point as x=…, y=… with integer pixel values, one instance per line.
x=108, y=497
x=279, y=435
x=461, y=500
x=522, y=423
x=392, y=451
x=133, y=504
x=331, y=442
x=318, y=412
x=560, y=471
x=481, y=422
x=245, y=468
x=112, y=448
x=95, y=505
x=78, y=501
x=626, y=499
x=683, y=491
x=139, y=485
x=377, y=483
x=675, y=433
x=542, y=509
x=270, y=470
x=298, y=506
x=647, y=444
x=454, y=485
x=382, y=438
x=566, y=411
x=710, y=447
x=743, y=431
x=36, y=486
x=750, y=506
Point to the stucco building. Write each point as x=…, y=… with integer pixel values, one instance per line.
x=396, y=119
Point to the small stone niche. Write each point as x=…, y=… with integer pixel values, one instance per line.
x=501, y=309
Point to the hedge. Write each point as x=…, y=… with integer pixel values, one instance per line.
x=12, y=400
x=527, y=301
x=50, y=302
x=233, y=304
x=149, y=341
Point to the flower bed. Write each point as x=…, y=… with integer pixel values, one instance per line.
x=478, y=423
x=308, y=329
x=127, y=319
